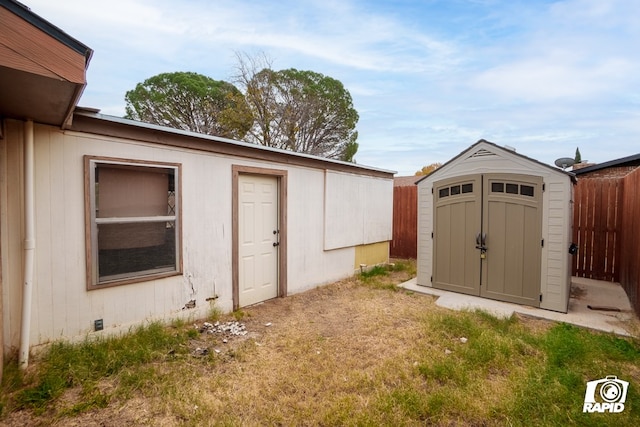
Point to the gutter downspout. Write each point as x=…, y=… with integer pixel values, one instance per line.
x=29, y=243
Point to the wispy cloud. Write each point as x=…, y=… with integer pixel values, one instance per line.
x=428, y=78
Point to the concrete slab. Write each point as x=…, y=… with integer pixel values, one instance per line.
x=585, y=293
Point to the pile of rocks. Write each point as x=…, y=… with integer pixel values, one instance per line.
x=227, y=328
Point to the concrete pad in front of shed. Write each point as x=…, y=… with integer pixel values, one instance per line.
x=585, y=293
x=455, y=301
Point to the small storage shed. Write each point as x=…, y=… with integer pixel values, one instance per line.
x=497, y=224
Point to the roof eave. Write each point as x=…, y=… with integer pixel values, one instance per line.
x=89, y=120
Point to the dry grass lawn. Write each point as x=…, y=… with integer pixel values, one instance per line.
x=350, y=353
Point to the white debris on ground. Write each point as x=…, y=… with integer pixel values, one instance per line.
x=226, y=328
x=200, y=351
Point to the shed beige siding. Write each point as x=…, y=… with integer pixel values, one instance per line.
x=484, y=158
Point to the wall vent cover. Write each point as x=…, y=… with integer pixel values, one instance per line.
x=482, y=153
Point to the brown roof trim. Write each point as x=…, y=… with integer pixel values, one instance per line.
x=25, y=13
x=100, y=124
x=44, y=68
x=633, y=160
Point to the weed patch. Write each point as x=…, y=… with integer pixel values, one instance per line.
x=388, y=276
x=378, y=270
x=552, y=391
x=66, y=365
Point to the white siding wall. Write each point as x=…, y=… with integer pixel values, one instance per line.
x=62, y=307
x=309, y=264
x=556, y=218
x=11, y=233
x=357, y=212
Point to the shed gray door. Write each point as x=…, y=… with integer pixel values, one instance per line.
x=487, y=238
x=457, y=219
x=512, y=221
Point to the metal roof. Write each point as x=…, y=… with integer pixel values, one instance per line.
x=92, y=113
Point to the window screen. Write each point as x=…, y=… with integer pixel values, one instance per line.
x=134, y=222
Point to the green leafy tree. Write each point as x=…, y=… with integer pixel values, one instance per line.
x=190, y=101
x=578, y=158
x=296, y=110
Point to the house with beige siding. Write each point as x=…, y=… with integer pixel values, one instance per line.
x=106, y=223
x=497, y=224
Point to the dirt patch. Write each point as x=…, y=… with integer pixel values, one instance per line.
x=577, y=292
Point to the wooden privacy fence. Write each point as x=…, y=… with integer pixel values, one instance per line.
x=405, y=222
x=597, y=216
x=606, y=227
x=630, y=239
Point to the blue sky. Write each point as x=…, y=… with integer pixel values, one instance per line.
x=428, y=78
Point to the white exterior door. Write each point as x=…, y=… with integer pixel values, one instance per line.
x=258, y=238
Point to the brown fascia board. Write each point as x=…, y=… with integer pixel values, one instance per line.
x=88, y=121
x=41, y=48
x=25, y=13
x=49, y=49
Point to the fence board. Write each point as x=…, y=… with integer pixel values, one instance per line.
x=596, y=228
x=629, y=259
x=404, y=243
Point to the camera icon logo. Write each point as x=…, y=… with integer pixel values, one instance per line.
x=605, y=395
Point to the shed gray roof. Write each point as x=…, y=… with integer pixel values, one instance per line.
x=484, y=141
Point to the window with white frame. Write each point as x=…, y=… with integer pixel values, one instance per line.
x=132, y=215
